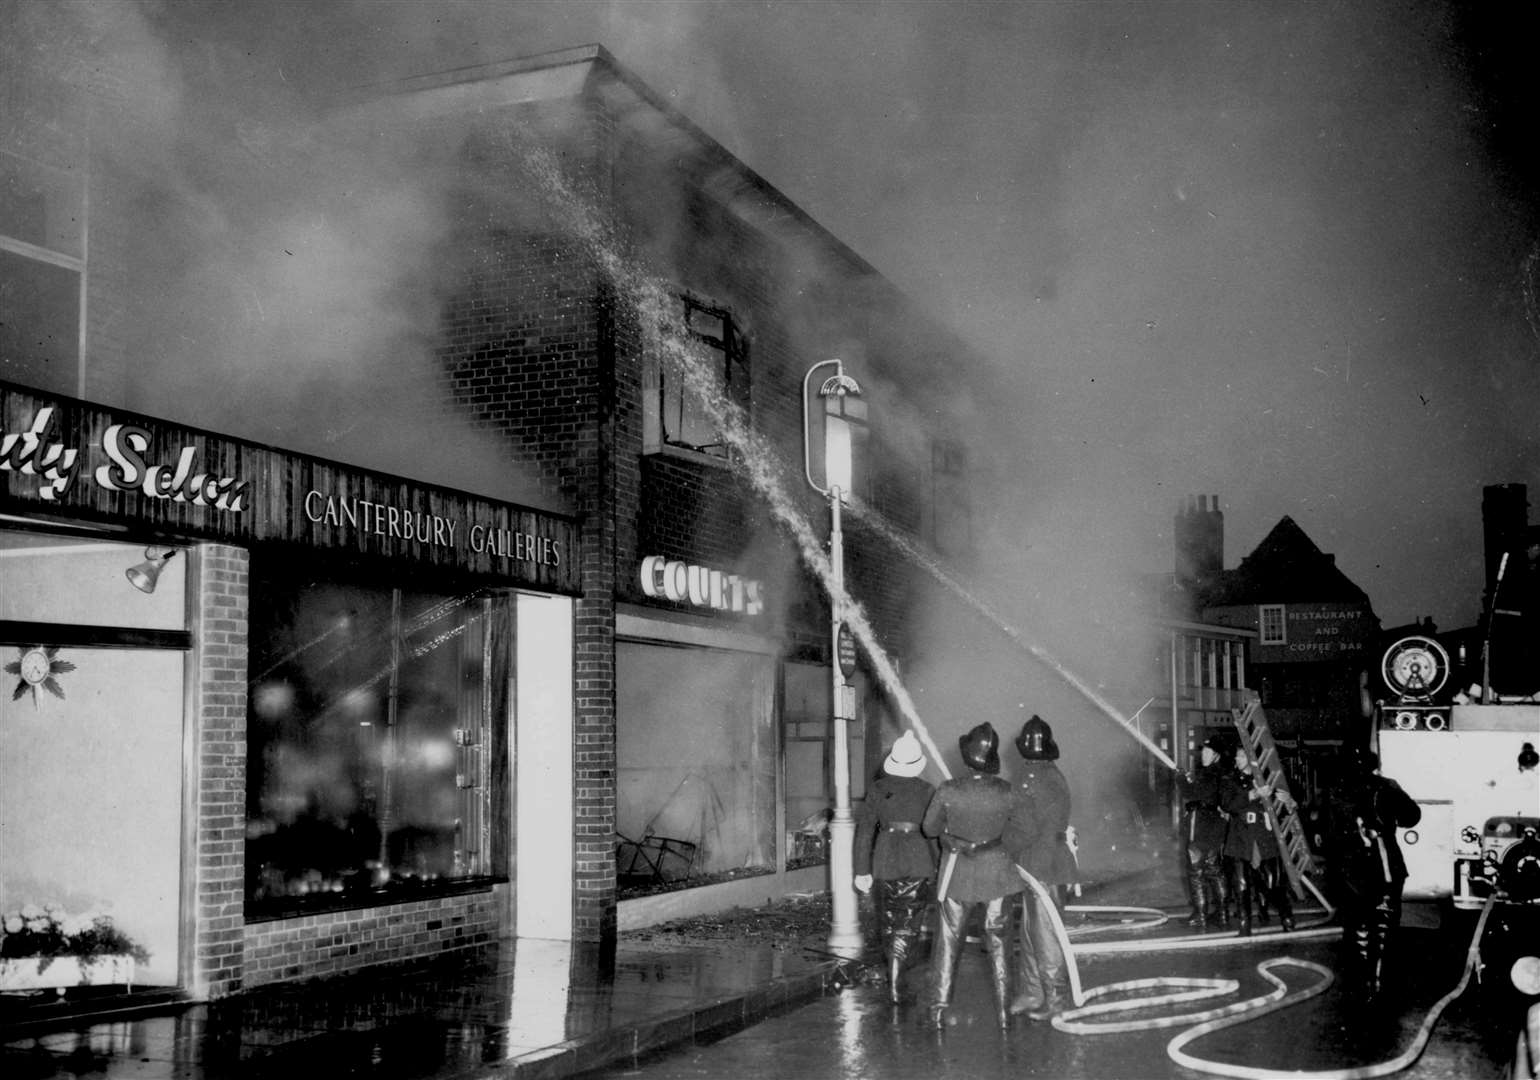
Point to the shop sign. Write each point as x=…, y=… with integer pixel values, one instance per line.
x=700, y=586
x=36, y=452
x=845, y=649
x=79, y=458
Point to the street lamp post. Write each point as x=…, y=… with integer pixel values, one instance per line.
x=843, y=412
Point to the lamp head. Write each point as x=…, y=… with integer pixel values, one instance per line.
x=143, y=576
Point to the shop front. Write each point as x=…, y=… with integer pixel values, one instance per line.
x=267, y=716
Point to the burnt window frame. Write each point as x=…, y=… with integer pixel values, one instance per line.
x=733, y=347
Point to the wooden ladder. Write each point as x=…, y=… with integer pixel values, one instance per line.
x=1251, y=724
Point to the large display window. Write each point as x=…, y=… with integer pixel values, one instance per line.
x=92, y=649
x=696, y=751
x=378, y=728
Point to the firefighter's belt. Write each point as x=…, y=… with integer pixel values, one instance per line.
x=970, y=847
x=902, y=826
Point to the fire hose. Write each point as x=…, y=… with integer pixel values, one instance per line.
x=1177, y=990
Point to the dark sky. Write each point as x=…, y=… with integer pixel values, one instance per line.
x=1283, y=253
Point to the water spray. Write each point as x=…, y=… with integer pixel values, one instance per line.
x=757, y=459
x=936, y=570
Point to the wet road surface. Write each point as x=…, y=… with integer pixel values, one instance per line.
x=857, y=1035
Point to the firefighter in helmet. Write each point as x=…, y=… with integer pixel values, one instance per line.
x=1203, y=838
x=1251, y=844
x=1039, y=842
x=1364, y=815
x=969, y=815
x=892, y=854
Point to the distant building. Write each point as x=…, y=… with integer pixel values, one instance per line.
x=1314, y=630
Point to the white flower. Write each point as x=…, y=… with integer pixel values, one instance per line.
x=54, y=911
x=75, y=924
x=13, y=923
x=31, y=911
x=39, y=924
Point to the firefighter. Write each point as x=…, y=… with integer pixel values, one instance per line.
x=1365, y=813
x=1251, y=845
x=891, y=851
x=969, y=815
x=1038, y=841
x=1203, y=838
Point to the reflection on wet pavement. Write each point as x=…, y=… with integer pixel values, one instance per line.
x=547, y=1007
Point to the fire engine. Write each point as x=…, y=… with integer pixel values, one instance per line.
x=1469, y=761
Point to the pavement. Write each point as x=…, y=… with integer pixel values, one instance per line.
x=521, y=1009
x=518, y=1009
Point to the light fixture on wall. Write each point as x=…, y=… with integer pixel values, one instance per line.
x=144, y=576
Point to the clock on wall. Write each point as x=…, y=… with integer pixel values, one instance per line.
x=37, y=665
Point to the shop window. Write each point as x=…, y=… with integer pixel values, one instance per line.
x=378, y=728
x=41, y=269
x=675, y=414
x=1270, y=617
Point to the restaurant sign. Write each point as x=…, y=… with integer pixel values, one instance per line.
x=74, y=458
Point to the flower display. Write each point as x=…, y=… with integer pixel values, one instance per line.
x=47, y=932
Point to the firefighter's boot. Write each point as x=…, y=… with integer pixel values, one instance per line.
x=1242, y=892
x=1198, y=919
x=997, y=922
x=898, y=955
x=1028, y=977
x=946, y=952
x=1054, y=970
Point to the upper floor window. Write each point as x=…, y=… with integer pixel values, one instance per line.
x=42, y=263
x=951, y=505
x=675, y=414
x=1270, y=621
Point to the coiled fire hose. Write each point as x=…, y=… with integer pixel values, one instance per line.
x=1208, y=1021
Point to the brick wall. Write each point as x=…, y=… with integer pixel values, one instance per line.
x=222, y=586
x=528, y=356
x=335, y=941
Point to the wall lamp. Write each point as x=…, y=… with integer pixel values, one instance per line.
x=144, y=576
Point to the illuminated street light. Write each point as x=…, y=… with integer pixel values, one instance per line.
x=843, y=414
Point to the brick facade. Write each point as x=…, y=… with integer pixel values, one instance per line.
x=221, y=585
x=333, y=941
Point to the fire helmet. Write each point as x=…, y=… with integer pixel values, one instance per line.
x=905, y=758
x=1036, y=740
x=981, y=749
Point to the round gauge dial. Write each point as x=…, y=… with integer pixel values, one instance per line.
x=1416, y=667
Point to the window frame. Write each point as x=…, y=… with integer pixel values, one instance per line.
x=665, y=398
x=1264, y=613
x=58, y=258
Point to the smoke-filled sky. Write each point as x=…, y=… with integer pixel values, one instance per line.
x=1283, y=253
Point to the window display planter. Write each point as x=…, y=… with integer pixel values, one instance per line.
x=62, y=972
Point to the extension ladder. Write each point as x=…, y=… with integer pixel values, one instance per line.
x=1251, y=724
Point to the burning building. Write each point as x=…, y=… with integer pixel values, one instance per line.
x=380, y=556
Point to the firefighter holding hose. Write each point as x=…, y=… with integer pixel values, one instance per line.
x=969, y=815
x=1038, y=841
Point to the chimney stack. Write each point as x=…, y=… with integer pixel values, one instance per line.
x=1200, y=541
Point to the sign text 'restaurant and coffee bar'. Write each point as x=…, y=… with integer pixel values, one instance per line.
x=73, y=458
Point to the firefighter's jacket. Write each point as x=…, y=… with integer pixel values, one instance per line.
x=969, y=816
x=1364, y=819
x=1203, y=828
x=1036, y=836
x=1249, y=835
x=889, y=844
